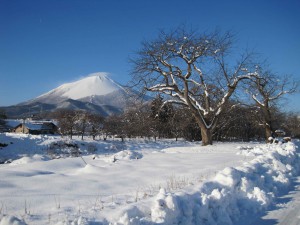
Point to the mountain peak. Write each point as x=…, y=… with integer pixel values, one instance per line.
x=98, y=74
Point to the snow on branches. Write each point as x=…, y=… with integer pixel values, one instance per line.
x=191, y=68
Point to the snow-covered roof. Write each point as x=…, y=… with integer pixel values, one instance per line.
x=12, y=123
x=32, y=125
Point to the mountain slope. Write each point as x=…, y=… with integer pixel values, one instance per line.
x=104, y=110
x=96, y=93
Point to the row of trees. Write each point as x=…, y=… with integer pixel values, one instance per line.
x=73, y=122
x=159, y=120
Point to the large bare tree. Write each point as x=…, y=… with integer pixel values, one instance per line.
x=267, y=90
x=196, y=70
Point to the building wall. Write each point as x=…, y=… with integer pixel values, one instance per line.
x=45, y=129
x=19, y=129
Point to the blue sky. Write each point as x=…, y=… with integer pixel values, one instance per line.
x=44, y=43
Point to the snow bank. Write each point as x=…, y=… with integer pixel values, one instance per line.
x=87, y=169
x=21, y=145
x=11, y=220
x=29, y=159
x=18, y=146
x=122, y=155
x=108, y=185
x=127, y=155
x=233, y=194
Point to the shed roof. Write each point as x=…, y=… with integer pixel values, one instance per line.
x=13, y=123
x=36, y=125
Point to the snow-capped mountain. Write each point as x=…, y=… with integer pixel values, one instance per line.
x=87, y=89
x=96, y=93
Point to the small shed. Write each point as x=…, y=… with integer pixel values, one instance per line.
x=36, y=128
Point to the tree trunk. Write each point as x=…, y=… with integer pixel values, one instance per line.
x=268, y=122
x=268, y=132
x=206, y=135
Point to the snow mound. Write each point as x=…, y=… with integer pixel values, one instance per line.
x=22, y=145
x=231, y=196
x=29, y=159
x=127, y=154
x=124, y=155
x=250, y=151
x=11, y=220
x=91, y=169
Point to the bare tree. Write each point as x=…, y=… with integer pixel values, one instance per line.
x=292, y=125
x=2, y=121
x=82, y=122
x=267, y=90
x=114, y=125
x=160, y=117
x=239, y=123
x=195, y=70
x=66, y=121
x=96, y=125
x=135, y=120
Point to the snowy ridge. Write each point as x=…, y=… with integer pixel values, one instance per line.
x=235, y=194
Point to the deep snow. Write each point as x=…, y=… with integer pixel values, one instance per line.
x=142, y=182
x=286, y=210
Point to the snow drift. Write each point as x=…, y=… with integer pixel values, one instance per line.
x=233, y=195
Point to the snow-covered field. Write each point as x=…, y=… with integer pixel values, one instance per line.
x=144, y=182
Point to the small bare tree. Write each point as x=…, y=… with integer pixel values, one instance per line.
x=96, y=125
x=82, y=122
x=292, y=125
x=195, y=70
x=267, y=90
x=2, y=121
x=66, y=121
